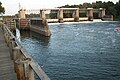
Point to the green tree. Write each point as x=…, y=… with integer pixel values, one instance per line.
x=2, y=9
x=87, y=5
x=98, y=4
x=117, y=7
x=111, y=8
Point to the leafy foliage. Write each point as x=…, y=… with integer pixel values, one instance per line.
x=2, y=10
x=111, y=8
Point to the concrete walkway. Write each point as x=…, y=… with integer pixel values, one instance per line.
x=6, y=64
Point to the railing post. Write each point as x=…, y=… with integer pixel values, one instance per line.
x=24, y=71
x=11, y=46
x=16, y=54
x=19, y=70
x=26, y=62
x=3, y=28
x=9, y=39
x=23, y=67
x=6, y=37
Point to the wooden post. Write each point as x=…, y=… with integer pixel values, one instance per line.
x=23, y=69
x=8, y=36
x=9, y=39
x=3, y=28
x=11, y=45
x=5, y=36
x=19, y=70
x=16, y=53
x=26, y=62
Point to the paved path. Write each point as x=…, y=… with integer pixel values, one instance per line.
x=6, y=64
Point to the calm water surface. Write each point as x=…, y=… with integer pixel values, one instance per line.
x=77, y=51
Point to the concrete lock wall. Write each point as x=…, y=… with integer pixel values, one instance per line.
x=24, y=24
x=40, y=26
x=37, y=25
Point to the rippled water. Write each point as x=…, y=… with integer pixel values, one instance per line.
x=77, y=51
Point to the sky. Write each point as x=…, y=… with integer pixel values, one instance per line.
x=12, y=6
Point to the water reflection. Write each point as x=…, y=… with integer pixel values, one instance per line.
x=29, y=34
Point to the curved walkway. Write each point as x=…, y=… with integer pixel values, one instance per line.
x=6, y=64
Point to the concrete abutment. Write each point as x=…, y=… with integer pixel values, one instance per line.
x=29, y=24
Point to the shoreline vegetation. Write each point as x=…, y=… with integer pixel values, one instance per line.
x=111, y=8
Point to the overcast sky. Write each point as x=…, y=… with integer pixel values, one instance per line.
x=12, y=6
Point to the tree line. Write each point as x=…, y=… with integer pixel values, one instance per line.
x=2, y=9
x=111, y=8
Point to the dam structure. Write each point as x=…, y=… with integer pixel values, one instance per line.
x=37, y=19
x=61, y=14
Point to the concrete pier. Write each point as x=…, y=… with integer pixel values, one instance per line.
x=6, y=64
x=101, y=12
x=22, y=13
x=42, y=14
x=60, y=20
x=90, y=14
x=23, y=22
x=76, y=17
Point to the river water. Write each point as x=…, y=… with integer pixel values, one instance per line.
x=77, y=51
